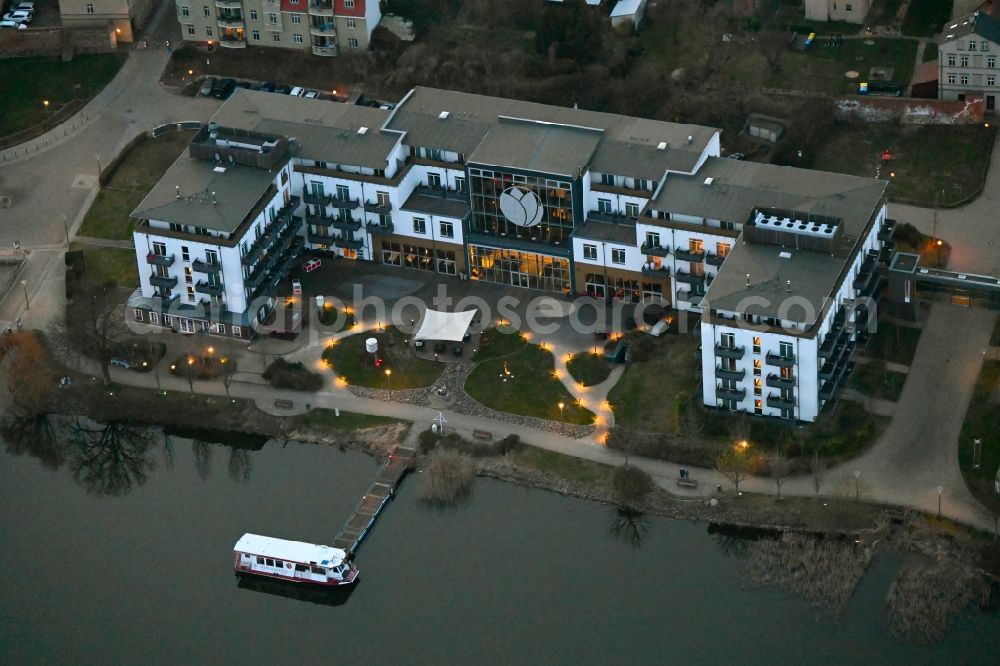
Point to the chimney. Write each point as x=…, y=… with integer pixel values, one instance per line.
x=177, y=191
x=748, y=279
x=213, y=199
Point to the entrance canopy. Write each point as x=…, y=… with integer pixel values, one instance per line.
x=450, y=326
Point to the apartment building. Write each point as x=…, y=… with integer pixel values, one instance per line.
x=967, y=59
x=125, y=17
x=527, y=195
x=851, y=11
x=322, y=27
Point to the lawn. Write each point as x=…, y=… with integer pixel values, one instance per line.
x=136, y=174
x=643, y=397
x=894, y=343
x=530, y=389
x=933, y=166
x=499, y=341
x=875, y=381
x=982, y=421
x=350, y=361
x=925, y=18
x=110, y=264
x=327, y=419
x=572, y=469
x=589, y=369
x=39, y=79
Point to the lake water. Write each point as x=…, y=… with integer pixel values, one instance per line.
x=514, y=575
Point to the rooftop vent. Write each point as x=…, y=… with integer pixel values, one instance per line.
x=709, y=180
x=362, y=130
x=444, y=114
x=661, y=145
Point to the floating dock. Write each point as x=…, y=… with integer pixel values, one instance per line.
x=383, y=488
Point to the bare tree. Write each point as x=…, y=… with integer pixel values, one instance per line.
x=780, y=466
x=631, y=486
x=773, y=45
x=94, y=322
x=111, y=459
x=202, y=458
x=736, y=462
x=240, y=464
x=818, y=470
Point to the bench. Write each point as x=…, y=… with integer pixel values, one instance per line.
x=482, y=434
x=284, y=404
x=687, y=483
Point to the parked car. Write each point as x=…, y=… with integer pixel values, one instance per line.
x=13, y=24
x=268, y=86
x=206, y=86
x=312, y=94
x=18, y=16
x=297, y=91
x=23, y=6
x=223, y=88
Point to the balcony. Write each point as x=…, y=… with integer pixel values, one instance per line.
x=730, y=352
x=380, y=229
x=323, y=28
x=780, y=360
x=228, y=43
x=381, y=209
x=345, y=203
x=160, y=259
x=204, y=287
x=689, y=278
x=714, y=260
x=779, y=382
x=833, y=339
x=163, y=281
x=317, y=199
x=346, y=225
x=229, y=21
x=200, y=266
x=887, y=231
x=778, y=402
x=349, y=243
x=689, y=254
x=321, y=7
x=730, y=393
x=229, y=4
x=723, y=373
x=321, y=238
x=692, y=298
x=319, y=220
x=653, y=271
x=325, y=51
x=655, y=250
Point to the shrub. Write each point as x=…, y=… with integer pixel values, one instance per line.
x=631, y=485
x=447, y=478
x=282, y=374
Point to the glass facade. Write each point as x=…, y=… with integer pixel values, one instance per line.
x=519, y=269
x=421, y=258
x=554, y=199
x=622, y=289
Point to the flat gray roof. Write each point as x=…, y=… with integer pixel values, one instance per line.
x=421, y=202
x=628, y=146
x=606, y=231
x=323, y=130
x=237, y=190
x=555, y=149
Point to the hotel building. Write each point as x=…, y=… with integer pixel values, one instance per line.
x=527, y=195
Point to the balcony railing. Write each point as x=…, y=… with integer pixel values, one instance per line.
x=323, y=28
x=779, y=382
x=347, y=225
x=349, y=243
x=714, y=260
x=689, y=255
x=345, y=203
x=655, y=250
x=730, y=393
x=205, y=287
x=725, y=373
x=689, y=278
x=229, y=21
x=780, y=360
x=653, y=271
x=317, y=199
x=381, y=209
x=887, y=231
x=386, y=229
x=321, y=7
x=163, y=281
x=228, y=43
x=780, y=403
x=205, y=267
x=730, y=352
x=160, y=259
x=229, y=4
x=321, y=238
x=325, y=51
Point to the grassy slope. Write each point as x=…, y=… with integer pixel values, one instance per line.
x=669, y=370
x=588, y=369
x=350, y=360
x=982, y=421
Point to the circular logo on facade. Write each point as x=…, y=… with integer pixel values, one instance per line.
x=521, y=207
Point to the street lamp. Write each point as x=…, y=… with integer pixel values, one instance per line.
x=27, y=303
x=562, y=405
x=857, y=484
x=940, y=489
x=388, y=377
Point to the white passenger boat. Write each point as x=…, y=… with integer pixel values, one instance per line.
x=293, y=561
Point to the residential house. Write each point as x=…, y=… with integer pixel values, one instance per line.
x=967, y=59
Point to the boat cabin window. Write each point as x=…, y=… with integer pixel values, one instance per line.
x=270, y=562
x=319, y=570
x=260, y=560
x=279, y=563
x=301, y=567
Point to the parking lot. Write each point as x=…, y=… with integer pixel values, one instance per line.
x=45, y=15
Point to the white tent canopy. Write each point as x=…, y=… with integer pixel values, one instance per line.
x=451, y=326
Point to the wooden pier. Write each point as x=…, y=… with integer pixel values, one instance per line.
x=384, y=486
